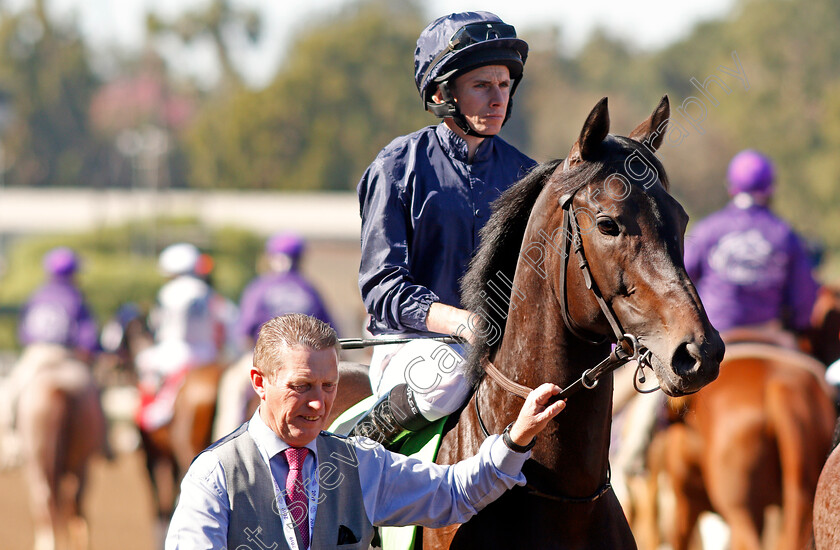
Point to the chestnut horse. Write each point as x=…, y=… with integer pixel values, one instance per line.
x=627, y=283
x=62, y=427
x=826, y=345
x=827, y=501
x=769, y=419
x=756, y=437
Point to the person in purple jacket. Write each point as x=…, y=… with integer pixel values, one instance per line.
x=56, y=313
x=55, y=326
x=281, y=290
x=751, y=269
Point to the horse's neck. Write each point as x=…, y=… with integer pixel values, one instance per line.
x=538, y=348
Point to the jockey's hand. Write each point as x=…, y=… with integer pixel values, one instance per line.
x=535, y=414
x=447, y=319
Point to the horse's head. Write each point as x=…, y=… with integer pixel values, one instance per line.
x=612, y=192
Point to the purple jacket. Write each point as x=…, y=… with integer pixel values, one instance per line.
x=276, y=294
x=750, y=268
x=56, y=314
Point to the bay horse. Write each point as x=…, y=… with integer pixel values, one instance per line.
x=540, y=319
x=62, y=426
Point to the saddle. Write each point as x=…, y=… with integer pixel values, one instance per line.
x=157, y=402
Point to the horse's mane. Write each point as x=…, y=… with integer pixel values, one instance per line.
x=501, y=240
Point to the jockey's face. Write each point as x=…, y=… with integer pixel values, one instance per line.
x=296, y=400
x=482, y=96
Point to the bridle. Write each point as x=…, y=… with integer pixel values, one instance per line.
x=627, y=346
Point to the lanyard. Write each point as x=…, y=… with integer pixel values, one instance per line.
x=286, y=516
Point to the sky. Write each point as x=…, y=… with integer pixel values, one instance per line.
x=644, y=23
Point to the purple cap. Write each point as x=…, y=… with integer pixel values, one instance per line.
x=60, y=262
x=750, y=172
x=290, y=244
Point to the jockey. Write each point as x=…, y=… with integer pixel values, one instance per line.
x=750, y=268
x=423, y=201
x=188, y=330
x=55, y=325
x=281, y=290
x=56, y=313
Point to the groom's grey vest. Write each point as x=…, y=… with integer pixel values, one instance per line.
x=254, y=520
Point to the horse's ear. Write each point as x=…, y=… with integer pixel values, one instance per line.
x=594, y=131
x=653, y=129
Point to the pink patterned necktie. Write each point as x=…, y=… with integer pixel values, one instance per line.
x=295, y=492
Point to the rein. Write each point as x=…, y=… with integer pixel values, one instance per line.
x=588, y=380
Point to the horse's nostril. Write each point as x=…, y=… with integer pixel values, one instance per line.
x=686, y=359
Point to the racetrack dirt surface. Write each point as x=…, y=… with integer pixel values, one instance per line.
x=118, y=506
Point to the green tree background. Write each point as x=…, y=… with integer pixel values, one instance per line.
x=346, y=89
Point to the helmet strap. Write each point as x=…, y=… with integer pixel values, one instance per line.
x=449, y=108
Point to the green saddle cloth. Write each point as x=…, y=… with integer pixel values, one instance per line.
x=423, y=444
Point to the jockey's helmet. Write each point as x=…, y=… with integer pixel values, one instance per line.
x=289, y=244
x=458, y=43
x=750, y=172
x=178, y=259
x=61, y=262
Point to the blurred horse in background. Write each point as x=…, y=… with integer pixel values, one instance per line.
x=827, y=500
x=757, y=437
x=823, y=339
x=170, y=446
x=61, y=425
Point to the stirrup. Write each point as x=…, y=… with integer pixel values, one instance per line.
x=392, y=417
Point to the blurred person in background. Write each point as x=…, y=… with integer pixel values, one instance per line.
x=55, y=325
x=280, y=290
x=752, y=271
x=423, y=201
x=189, y=332
x=224, y=309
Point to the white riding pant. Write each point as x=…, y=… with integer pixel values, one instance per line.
x=433, y=370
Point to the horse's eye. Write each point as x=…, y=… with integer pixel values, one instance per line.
x=607, y=226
